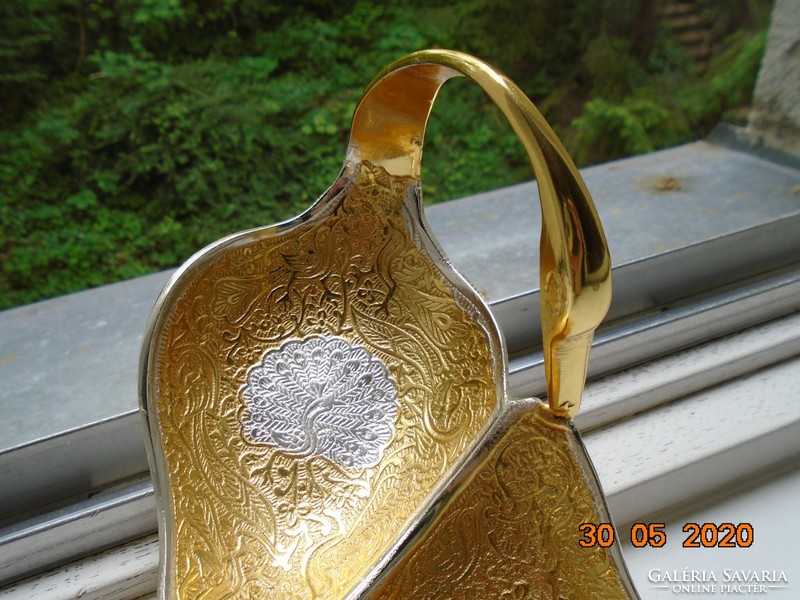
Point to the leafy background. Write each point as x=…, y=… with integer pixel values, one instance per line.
x=133, y=132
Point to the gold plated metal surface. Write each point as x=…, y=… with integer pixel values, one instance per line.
x=575, y=267
x=508, y=529
x=253, y=518
x=325, y=399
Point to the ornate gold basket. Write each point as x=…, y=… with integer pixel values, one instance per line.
x=325, y=399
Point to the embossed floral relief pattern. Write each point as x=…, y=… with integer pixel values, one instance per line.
x=251, y=521
x=512, y=532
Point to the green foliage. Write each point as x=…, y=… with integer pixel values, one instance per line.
x=611, y=130
x=729, y=81
x=36, y=49
x=614, y=73
x=133, y=132
x=671, y=105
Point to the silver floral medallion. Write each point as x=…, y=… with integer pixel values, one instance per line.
x=321, y=395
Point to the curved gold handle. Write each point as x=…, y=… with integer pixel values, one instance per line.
x=575, y=266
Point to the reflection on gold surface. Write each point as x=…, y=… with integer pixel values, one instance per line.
x=251, y=520
x=512, y=529
x=574, y=263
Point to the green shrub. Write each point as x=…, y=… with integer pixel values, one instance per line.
x=134, y=132
x=609, y=130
